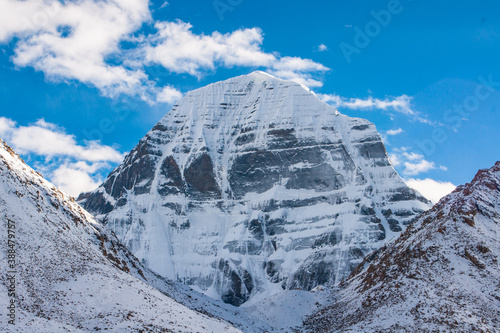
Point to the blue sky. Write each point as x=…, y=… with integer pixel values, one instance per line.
x=82, y=82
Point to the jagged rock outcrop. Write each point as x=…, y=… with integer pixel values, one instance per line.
x=254, y=185
x=441, y=275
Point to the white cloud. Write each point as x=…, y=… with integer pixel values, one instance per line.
x=322, y=47
x=6, y=126
x=395, y=160
x=298, y=70
x=72, y=40
x=431, y=189
x=394, y=132
x=75, y=178
x=168, y=95
x=413, y=169
x=72, y=166
x=385, y=136
x=401, y=104
x=413, y=156
x=45, y=139
x=81, y=41
x=305, y=79
x=297, y=64
x=179, y=50
x=412, y=163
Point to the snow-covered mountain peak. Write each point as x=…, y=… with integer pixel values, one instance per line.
x=263, y=76
x=253, y=185
x=255, y=98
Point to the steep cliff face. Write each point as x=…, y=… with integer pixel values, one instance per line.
x=442, y=274
x=64, y=272
x=254, y=185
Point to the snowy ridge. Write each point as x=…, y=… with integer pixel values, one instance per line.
x=72, y=274
x=441, y=274
x=253, y=185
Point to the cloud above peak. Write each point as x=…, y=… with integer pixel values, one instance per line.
x=81, y=41
x=299, y=70
x=179, y=50
x=392, y=104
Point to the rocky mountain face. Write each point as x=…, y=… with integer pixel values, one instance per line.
x=442, y=274
x=65, y=273
x=253, y=185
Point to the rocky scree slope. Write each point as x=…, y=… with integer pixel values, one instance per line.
x=441, y=275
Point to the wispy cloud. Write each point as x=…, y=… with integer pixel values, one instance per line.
x=322, y=47
x=394, y=132
x=395, y=160
x=413, y=163
x=385, y=135
x=298, y=70
x=422, y=166
x=400, y=104
x=413, y=156
x=168, y=95
x=72, y=166
x=46, y=139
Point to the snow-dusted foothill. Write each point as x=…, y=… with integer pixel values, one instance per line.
x=441, y=275
x=66, y=273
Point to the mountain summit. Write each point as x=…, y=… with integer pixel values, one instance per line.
x=253, y=185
